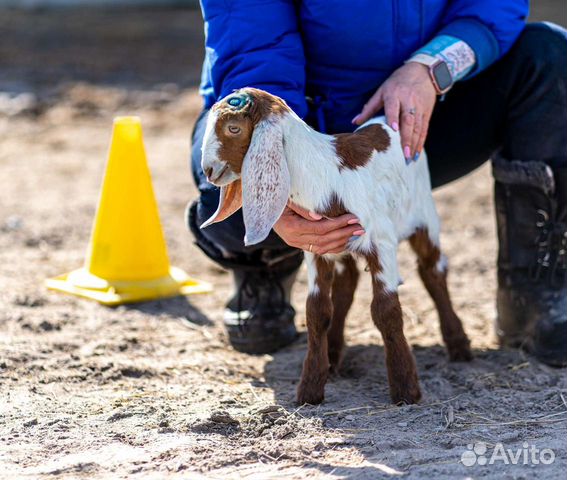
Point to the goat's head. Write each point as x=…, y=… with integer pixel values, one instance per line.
x=243, y=154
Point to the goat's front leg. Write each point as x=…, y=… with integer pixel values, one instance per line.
x=344, y=285
x=387, y=316
x=433, y=272
x=319, y=312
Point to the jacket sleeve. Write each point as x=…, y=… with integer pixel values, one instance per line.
x=255, y=43
x=489, y=27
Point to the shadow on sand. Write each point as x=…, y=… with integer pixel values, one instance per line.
x=175, y=307
x=461, y=402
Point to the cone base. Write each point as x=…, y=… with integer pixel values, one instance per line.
x=84, y=284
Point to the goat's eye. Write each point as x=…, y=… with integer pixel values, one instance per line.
x=233, y=129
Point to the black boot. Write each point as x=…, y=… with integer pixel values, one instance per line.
x=532, y=261
x=259, y=317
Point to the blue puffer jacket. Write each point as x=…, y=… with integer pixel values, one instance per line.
x=339, y=52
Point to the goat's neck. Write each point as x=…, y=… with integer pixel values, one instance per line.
x=312, y=161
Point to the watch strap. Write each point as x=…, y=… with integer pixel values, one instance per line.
x=424, y=59
x=430, y=62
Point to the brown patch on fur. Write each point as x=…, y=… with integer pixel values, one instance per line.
x=233, y=147
x=435, y=282
x=325, y=273
x=344, y=285
x=428, y=254
x=335, y=207
x=386, y=313
x=355, y=149
x=373, y=262
x=319, y=314
x=264, y=104
x=400, y=364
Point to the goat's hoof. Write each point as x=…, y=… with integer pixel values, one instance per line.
x=406, y=396
x=309, y=394
x=460, y=350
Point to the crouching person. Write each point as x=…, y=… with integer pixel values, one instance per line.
x=467, y=81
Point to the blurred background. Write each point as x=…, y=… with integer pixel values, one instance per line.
x=150, y=45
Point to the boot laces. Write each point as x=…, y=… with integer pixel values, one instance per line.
x=256, y=285
x=559, y=268
x=551, y=254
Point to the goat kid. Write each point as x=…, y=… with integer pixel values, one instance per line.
x=261, y=155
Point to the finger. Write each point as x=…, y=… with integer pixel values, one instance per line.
x=340, y=245
x=408, y=121
x=338, y=250
x=298, y=232
x=296, y=226
x=328, y=225
x=336, y=247
x=307, y=214
x=322, y=245
x=373, y=105
x=335, y=236
x=417, y=126
x=392, y=111
x=422, y=137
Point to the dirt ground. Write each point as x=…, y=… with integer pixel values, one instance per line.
x=153, y=390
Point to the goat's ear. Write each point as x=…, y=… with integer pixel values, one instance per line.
x=230, y=200
x=265, y=181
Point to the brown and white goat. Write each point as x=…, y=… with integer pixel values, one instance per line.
x=261, y=155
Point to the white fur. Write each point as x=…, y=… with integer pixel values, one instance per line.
x=390, y=198
x=442, y=264
x=287, y=158
x=339, y=267
x=211, y=144
x=265, y=181
x=312, y=287
x=210, y=154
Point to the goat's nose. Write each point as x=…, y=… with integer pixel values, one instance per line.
x=208, y=171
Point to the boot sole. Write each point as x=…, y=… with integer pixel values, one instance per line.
x=260, y=346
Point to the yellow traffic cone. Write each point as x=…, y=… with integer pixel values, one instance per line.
x=127, y=257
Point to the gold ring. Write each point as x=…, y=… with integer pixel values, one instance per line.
x=310, y=247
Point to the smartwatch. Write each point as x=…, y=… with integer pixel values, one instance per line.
x=438, y=72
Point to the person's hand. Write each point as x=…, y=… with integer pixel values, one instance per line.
x=311, y=232
x=408, y=98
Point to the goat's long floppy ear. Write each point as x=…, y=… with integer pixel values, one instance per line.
x=265, y=181
x=230, y=200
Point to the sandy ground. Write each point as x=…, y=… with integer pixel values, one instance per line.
x=154, y=391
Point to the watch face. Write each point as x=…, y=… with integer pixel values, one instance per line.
x=442, y=76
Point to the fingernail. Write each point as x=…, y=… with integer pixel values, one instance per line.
x=358, y=232
x=355, y=119
x=395, y=126
x=407, y=152
x=354, y=237
x=315, y=216
x=416, y=156
x=408, y=161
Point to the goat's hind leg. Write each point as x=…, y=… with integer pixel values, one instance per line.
x=344, y=285
x=432, y=267
x=319, y=312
